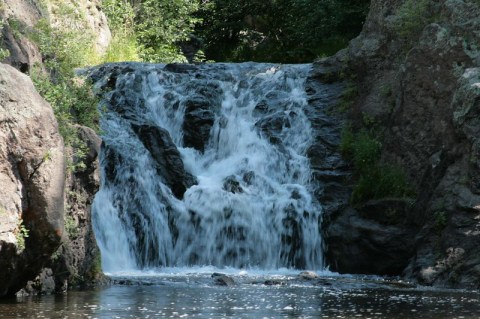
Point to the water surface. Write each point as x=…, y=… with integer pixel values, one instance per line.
x=194, y=295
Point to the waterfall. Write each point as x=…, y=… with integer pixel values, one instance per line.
x=206, y=165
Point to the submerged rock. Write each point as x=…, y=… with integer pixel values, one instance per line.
x=222, y=279
x=308, y=275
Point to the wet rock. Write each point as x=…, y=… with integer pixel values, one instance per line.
x=274, y=282
x=271, y=126
x=43, y=284
x=232, y=185
x=308, y=275
x=222, y=279
x=364, y=246
x=198, y=121
x=292, y=240
x=180, y=68
x=430, y=130
x=167, y=157
x=126, y=103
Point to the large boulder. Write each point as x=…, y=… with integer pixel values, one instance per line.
x=32, y=175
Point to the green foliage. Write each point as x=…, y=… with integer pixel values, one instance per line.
x=375, y=180
x=96, y=267
x=64, y=48
x=161, y=25
x=347, y=141
x=71, y=226
x=120, y=14
x=280, y=30
x=124, y=45
x=4, y=53
x=366, y=151
x=440, y=220
x=149, y=30
x=381, y=181
x=17, y=28
x=348, y=97
x=72, y=101
x=21, y=233
x=412, y=17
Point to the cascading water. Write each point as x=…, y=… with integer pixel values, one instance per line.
x=206, y=165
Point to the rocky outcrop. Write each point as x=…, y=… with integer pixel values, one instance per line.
x=36, y=183
x=77, y=262
x=420, y=90
x=32, y=178
x=167, y=158
x=87, y=17
x=199, y=119
x=19, y=16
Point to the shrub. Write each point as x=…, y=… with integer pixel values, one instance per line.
x=349, y=94
x=375, y=180
x=123, y=47
x=65, y=47
x=21, y=233
x=412, y=17
x=381, y=181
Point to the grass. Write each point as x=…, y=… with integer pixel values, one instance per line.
x=21, y=233
x=412, y=17
x=375, y=179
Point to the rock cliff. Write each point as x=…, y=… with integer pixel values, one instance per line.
x=20, y=17
x=416, y=68
x=44, y=205
x=32, y=178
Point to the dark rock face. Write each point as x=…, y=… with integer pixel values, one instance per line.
x=372, y=247
x=198, y=121
x=426, y=106
x=77, y=261
x=169, y=162
x=32, y=179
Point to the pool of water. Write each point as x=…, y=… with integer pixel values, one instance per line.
x=195, y=295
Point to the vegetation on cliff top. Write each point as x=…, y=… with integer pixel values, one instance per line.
x=274, y=30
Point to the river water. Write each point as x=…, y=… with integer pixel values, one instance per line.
x=182, y=294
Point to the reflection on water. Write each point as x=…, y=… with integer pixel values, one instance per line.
x=196, y=296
